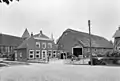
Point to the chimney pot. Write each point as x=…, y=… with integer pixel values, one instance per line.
x=119, y=28
x=40, y=31
x=31, y=33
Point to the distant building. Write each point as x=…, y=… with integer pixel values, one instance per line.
x=8, y=43
x=35, y=47
x=77, y=43
x=117, y=39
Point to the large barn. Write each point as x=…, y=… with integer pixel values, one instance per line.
x=77, y=43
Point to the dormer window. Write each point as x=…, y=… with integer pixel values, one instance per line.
x=44, y=45
x=49, y=45
x=38, y=44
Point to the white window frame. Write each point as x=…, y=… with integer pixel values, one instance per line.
x=49, y=45
x=55, y=52
x=38, y=43
x=31, y=54
x=37, y=53
x=44, y=56
x=43, y=44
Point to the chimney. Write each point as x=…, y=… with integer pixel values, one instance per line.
x=31, y=34
x=119, y=28
x=41, y=32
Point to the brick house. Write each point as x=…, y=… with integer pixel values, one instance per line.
x=35, y=47
x=77, y=43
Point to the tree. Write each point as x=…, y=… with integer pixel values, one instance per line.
x=7, y=1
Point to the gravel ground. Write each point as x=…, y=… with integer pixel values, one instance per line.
x=58, y=71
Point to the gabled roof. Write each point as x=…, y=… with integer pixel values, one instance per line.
x=10, y=40
x=96, y=41
x=117, y=33
x=26, y=34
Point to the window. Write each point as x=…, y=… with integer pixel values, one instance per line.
x=118, y=48
x=31, y=54
x=88, y=49
x=38, y=44
x=43, y=45
x=8, y=49
x=103, y=50
x=54, y=53
x=20, y=54
x=49, y=45
x=50, y=53
x=37, y=53
x=95, y=49
x=43, y=54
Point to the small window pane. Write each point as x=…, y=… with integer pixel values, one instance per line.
x=31, y=56
x=53, y=51
x=37, y=52
x=31, y=52
x=37, y=55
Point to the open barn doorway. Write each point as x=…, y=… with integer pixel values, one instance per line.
x=77, y=51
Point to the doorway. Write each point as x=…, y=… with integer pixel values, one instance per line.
x=44, y=54
x=63, y=55
x=77, y=51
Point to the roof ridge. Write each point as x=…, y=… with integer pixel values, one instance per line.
x=10, y=35
x=97, y=41
x=85, y=33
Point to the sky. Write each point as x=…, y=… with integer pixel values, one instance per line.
x=55, y=16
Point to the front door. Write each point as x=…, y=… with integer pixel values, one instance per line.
x=44, y=54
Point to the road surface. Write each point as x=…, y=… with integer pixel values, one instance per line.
x=58, y=71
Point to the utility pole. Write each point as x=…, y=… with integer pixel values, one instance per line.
x=90, y=42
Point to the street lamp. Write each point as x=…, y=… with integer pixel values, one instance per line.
x=90, y=42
